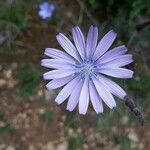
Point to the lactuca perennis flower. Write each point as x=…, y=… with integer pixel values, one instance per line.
x=46, y=10
x=83, y=69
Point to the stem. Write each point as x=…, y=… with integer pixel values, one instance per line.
x=131, y=39
x=89, y=15
x=134, y=108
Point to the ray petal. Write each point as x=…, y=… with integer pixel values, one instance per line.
x=58, y=54
x=95, y=99
x=92, y=38
x=54, y=74
x=66, y=91
x=104, y=44
x=112, y=87
x=84, y=97
x=68, y=46
x=104, y=93
x=74, y=97
x=117, y=72
x=112, y=54
x=79, y=41
x=57, y=64
x=56, y=83
x=119, y=61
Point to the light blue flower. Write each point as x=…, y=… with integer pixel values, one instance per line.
x=84, y=67
x=46, y=10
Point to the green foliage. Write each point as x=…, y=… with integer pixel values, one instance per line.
x=140, y=85
x=123, y=141
x=29, y=79
x=14, y=14
x=18, y=18
x=7, y=128
x=141, y=41
x=111, y=118
x=70, y=121
x=75, y=143
x=94, y=3
x=103, y=121
x=123, y=15
x=47, y=117
x=13, y=19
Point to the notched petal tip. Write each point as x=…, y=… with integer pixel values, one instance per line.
x=44, y=77
x=99, y=112
x=58, y=35
x=75, y=27
x=112, y=108
x=47, y=87
x=57, y=102
x=42, y=61
x=123, y=98
x=82, y=113
x=132, y=74
x=91, y=27
x=112, y=33
x=47, y=49
x=68, y=109
x=112, y=30
x=124, y=47
x=132, y=60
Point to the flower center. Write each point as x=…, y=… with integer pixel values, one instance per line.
x=86, y=68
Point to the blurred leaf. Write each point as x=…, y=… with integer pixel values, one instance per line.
x=75, y=143
x=70, y=121
x=140, y=85
x=47, y=117
x=7, y=128
x=29, y=79
x=122, y=15
x=123, y=141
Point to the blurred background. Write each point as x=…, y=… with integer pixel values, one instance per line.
x=29, y=117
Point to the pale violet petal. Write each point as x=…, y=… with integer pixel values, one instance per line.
x=95, y=99
x=112, y=87
x=117, y=72
x=104, y=44
x=79, y=41
x=68, y=46
x=55, y=74
x=104, y=93
x=57, y=64
x=42, y=14
x=84, y=97
x=44, y=5
x=66, y=91
x=119, y=61
x=41, y=6
x=74, y=97
x=56, y=83
x=92, y=38
x=58, y=54
x=112, y=54
x=52, y=7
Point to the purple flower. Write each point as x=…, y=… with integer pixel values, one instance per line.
x=46, y=10
x=83, y=68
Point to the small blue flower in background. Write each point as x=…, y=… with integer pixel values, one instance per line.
x=46, y=10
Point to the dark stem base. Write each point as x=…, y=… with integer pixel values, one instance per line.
x=134, y=108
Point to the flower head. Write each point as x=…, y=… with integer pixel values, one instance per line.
x=46, y=10
x=83, y=69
